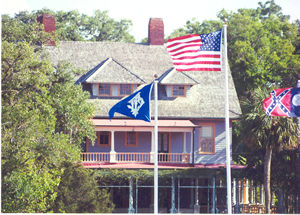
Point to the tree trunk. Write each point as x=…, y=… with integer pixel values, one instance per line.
x=267, y=178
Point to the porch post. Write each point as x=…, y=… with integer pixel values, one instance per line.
x=237, y=195
x=152, y=148
x=246, y=201
x=184, y=142
x=197, y=206
x=112, y=149
x=178, y=194
x=192, y=146
x=234, y=193
x=173, y=209
x=131, y=208
x=213, y=210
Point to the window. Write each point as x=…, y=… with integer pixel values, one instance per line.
x=131, y=139
x=163, y=142
x=207, y=139
x=178, y=90
x=103, y=138
x=125, y=89
x=104, y=89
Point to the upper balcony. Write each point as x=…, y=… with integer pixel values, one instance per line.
x=180, y=143
x=134, y=157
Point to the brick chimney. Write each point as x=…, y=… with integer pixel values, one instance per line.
x=49, y=25
x=156, y=31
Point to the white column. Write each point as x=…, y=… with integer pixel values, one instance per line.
x=152, y=148
x=112, y=149
x=246, y=200
x=184, y=142
x=191, y=152
x=233, y=191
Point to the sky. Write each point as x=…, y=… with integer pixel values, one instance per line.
x=174, y=13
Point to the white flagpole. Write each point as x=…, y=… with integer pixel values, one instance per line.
x=155, y=147
x=227, y=137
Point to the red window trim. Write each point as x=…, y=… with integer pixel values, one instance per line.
x=136, y=139
x=184, y=90
x=98, y=139
x=214, y=138
x=110, y=90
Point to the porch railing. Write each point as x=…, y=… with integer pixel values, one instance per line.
x=138, y=157
x=173, y=157
x=95, y=157
x=133, y=157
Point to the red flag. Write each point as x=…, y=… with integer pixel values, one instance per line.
x=278, y=103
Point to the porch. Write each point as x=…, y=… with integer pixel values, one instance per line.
x=108, y=157
x=132, y=141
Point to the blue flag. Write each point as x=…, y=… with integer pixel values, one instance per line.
x=136, y=106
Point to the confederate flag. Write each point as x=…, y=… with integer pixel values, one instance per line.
x=283, y=102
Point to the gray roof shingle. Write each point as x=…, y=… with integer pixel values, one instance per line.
x=137, y=63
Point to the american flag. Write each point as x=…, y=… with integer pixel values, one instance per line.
x=196, y=52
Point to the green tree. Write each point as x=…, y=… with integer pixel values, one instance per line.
x=78, y=192
x=73, y=26
x=266, y=134
x=261, y=52
x=195, y=27
x=44, y=119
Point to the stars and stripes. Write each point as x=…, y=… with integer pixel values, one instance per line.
x=196, y=52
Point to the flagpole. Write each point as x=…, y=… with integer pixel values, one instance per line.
x=228, y=169
x=155, y=146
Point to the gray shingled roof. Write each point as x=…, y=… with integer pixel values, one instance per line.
x=113, y=72
x=135, y=63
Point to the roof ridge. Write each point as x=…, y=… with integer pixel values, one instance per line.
x=91, y=72
x=128, y=70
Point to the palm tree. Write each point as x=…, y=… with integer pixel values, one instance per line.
x=266, y=133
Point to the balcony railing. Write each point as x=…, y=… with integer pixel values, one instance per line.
x=140, y=157
x=133, y=157
x=95, y=157
x=173, y=157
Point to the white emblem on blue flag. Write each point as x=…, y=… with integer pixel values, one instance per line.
x=135, y=104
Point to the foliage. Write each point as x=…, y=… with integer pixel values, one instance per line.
x=117, y=176
x=34, y=142
x=22, y=30
x=261, y=45
x=195, y=27
x=264, y=135
x=78, y=193
x=73, y=26
x=261, y=51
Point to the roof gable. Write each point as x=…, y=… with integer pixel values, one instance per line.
x=110, y=71
x=175, y=77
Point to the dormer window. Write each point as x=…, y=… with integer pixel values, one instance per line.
x=178, y=90
x=104, y=89
x=125, y=89
x=113, y=90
